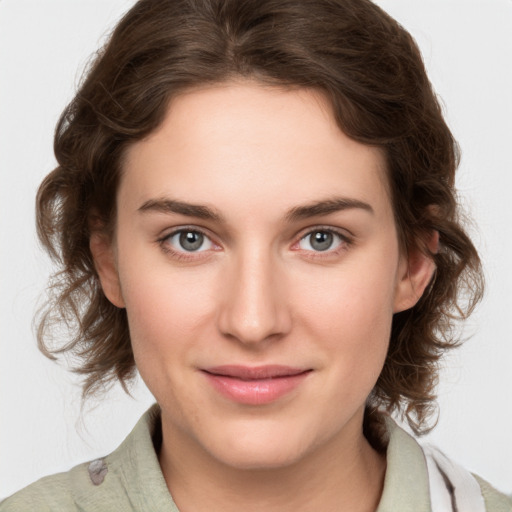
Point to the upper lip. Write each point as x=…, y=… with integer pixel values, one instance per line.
x=255, y=372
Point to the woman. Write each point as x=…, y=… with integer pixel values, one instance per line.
x=254, y=208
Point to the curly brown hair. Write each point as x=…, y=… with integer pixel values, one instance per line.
x=370, y=70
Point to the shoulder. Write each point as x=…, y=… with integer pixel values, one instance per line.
x=433, y=482
x=495, y=501
x=128, y=479
x=51, y=493
x=94, y=485
x=91, y=486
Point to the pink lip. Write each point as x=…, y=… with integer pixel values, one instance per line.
x=255, y=385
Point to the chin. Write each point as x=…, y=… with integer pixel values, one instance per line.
x=261, y=448
x=260, y=459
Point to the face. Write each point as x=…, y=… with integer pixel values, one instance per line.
x=257, y=257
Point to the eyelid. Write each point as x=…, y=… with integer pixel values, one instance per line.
x=169, y=232
x=166, y=235
x=345, y=236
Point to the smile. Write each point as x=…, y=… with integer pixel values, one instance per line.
x=255, y=385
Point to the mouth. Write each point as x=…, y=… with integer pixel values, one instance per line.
x=255, y=385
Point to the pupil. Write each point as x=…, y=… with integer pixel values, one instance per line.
x=191, y=240
x=321, y=240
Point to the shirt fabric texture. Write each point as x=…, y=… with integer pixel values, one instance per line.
x=130, y=479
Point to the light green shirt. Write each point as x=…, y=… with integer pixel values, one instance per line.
x=130, y=479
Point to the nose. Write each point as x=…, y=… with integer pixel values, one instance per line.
x=254, y=308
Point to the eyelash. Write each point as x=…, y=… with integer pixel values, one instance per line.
x=181, y=255
x=345, y=242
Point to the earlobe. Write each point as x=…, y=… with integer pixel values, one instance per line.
x=415, y=273
x=105, y=263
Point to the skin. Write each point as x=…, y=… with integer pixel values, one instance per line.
x=259, y=292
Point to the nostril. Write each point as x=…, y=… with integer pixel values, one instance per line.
x=253, y=309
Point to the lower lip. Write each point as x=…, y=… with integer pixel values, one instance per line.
x=255, y=392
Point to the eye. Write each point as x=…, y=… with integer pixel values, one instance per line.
x=321, y=240
x=189, y=240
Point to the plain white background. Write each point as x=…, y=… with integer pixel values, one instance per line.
x=467, y=46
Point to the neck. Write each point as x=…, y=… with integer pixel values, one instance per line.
x=336, y=477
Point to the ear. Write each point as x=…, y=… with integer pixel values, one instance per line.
x=415, y=273
x=103, y=253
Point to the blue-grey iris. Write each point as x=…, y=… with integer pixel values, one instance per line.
x=191, y=240
x=321, y=240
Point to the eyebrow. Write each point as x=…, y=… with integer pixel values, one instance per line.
x=315, y=209
x=327, y=207
x=179, y=207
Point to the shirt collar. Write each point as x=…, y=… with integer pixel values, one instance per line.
x=406, y=479
x=134, y=471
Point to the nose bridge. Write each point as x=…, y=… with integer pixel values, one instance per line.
x=254, y=308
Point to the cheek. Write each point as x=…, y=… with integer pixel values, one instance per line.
x=356, y=298
x=166, y=308
x=350, y=312
x=167, y=318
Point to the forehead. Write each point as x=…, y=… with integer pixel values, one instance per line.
x=248, y=141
